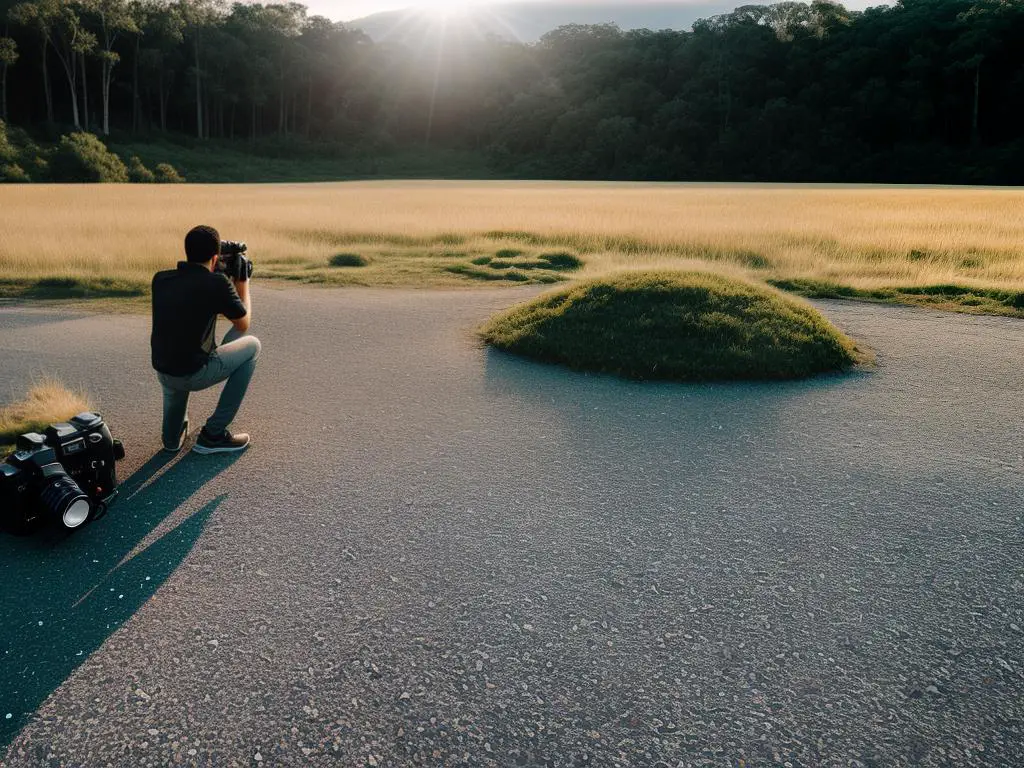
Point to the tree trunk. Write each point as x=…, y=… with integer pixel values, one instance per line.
x=108, y=73
x=975, y=138
x=252, y=135
x=3, y=93
x=199, y=94
x=136, y=105
x=108, y=76
x=163, y=104
x=85, y=94
x=309, y=108
x=281, y=112
x=72, y=76
x=46, y=84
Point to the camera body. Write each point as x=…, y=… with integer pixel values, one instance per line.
x=232, y=260
x=66, y=474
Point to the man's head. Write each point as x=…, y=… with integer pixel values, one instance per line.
x=202, y=244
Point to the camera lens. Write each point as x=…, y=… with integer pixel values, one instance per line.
x=61, y=497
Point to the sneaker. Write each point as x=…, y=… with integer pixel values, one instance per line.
x=224, y=443
x=181, y=439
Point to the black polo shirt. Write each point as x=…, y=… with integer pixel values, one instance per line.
x=186, y=302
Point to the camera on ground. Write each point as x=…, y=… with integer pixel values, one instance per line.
x=232, y=260
x=66, y=475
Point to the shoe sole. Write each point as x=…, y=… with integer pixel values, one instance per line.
x=197, y=448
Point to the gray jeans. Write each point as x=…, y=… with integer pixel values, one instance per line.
x=235, y=361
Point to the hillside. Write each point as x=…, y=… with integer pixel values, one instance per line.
x=527, y=22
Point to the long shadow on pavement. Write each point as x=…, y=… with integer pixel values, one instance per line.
x=62, y=595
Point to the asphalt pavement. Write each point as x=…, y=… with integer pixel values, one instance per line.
x=434, y=554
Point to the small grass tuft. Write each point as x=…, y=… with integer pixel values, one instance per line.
x=753, y=260
x=47, y=402
x=481, y=261
x=686, y=326
x=508, y=253
x=349, y=260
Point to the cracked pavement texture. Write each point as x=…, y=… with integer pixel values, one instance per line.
x=434, y=554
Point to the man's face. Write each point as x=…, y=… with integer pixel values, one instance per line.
x=213, y=261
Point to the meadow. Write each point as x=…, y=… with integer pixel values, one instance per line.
x=956, y=247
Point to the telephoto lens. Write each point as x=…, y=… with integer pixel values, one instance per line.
x=61, y=497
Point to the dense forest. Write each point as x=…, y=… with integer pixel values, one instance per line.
x=923, y=91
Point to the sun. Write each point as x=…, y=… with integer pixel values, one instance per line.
x=445, y=8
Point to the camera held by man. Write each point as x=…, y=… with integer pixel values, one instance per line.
x=233, y=262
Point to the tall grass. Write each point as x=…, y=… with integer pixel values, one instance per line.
x=412, y=232
x=47, y=402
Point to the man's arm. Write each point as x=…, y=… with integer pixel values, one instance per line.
x=242, y=323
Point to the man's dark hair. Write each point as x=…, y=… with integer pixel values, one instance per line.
x=202, y=244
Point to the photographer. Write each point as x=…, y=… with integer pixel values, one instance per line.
x=186, y=303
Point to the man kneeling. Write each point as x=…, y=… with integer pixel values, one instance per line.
x=186, y=303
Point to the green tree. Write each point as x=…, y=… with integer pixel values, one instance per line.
x=38, y=15
x=115, y=18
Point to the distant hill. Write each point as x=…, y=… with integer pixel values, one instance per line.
x=527, y=22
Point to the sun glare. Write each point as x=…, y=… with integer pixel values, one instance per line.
x=445, y=8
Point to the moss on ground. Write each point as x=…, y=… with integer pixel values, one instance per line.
x=686, y=326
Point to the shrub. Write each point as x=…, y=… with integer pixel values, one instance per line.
x=13, y=174
x=167, y=174
x=138, y=172
x=8, y=152
x=674, y=325
x=348, y=260
x=82, y=157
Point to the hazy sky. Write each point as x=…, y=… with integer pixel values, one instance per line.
x=343, y=10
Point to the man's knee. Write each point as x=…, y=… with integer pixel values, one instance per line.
x=255, y=346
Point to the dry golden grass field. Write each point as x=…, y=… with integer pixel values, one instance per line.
x=109, y=239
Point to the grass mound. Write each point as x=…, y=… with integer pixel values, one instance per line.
x=47, y=402
x=348, y=260
x=687, y=326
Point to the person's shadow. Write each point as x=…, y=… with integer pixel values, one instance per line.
x=62, y=595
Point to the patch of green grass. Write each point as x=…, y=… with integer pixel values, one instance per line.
x=685, y=326
x=519, y=266
x=348, y=260
x=957, y=298
x=561, y=261
x=71, y=288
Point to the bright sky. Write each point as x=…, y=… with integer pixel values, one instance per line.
x=344, y=10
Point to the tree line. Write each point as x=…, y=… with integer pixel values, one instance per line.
x=922, y=91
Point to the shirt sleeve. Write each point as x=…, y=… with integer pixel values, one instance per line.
x=231, y=305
